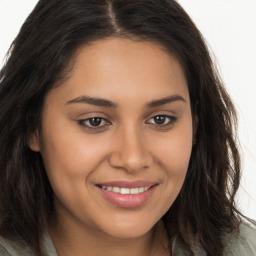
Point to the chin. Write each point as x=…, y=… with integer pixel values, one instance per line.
x=129, y=229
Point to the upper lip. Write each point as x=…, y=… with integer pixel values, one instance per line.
x=128, y=184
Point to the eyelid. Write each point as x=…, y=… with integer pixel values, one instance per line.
x=172, y=120
x=91, y=128
x=90, y=118
x=163, y=115
x=90, y=114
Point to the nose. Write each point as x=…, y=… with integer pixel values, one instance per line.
x=130, y=151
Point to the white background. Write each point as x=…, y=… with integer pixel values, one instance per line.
x=229, y=27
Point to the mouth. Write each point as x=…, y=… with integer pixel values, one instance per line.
x=127, y=194
x=125, y=191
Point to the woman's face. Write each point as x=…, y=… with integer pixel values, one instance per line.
x=116, y=137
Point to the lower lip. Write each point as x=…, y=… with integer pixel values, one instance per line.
x=128, y=201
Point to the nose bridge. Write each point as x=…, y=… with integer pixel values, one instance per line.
x=131, y=152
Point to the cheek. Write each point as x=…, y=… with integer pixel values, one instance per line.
x=174, y=152
x=72, y=155
x=173, y=155
x=70, y=162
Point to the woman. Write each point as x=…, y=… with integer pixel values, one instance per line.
x=117, y=136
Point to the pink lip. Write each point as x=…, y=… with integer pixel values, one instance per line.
x=130, y=200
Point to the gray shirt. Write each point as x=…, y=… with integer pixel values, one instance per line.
x=243, y=244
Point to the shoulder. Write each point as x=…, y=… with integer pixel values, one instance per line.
x=242, y=242
x=19, y=248
x=13, y=248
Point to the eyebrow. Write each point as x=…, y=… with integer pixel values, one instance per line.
x=166, y=100
x=107, y=103
x=93, y=101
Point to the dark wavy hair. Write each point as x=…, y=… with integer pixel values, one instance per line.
x=41, y=57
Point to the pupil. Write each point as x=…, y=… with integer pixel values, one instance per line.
x=96, y=121
x=159, y=119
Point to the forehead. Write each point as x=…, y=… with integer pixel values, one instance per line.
x=116, y=68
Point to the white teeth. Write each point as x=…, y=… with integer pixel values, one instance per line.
x=141, y=190
x=116, y=189
x=134, y=191
x=126, y=191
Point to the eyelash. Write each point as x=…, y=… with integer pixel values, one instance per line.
x=168, y=121
x=86, y=123
x=165, y=124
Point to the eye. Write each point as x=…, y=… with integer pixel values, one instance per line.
x=94, y=123
x=162, y=120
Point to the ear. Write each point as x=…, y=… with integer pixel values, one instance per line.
x=33, y=142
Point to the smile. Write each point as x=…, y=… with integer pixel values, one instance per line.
x=127, y=194
x=126, y=191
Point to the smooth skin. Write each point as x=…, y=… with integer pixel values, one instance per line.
x=140, y=129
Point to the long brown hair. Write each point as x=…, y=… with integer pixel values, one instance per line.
x=40, y=58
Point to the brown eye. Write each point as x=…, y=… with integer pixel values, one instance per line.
x=160, y=119
x=95, y=121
